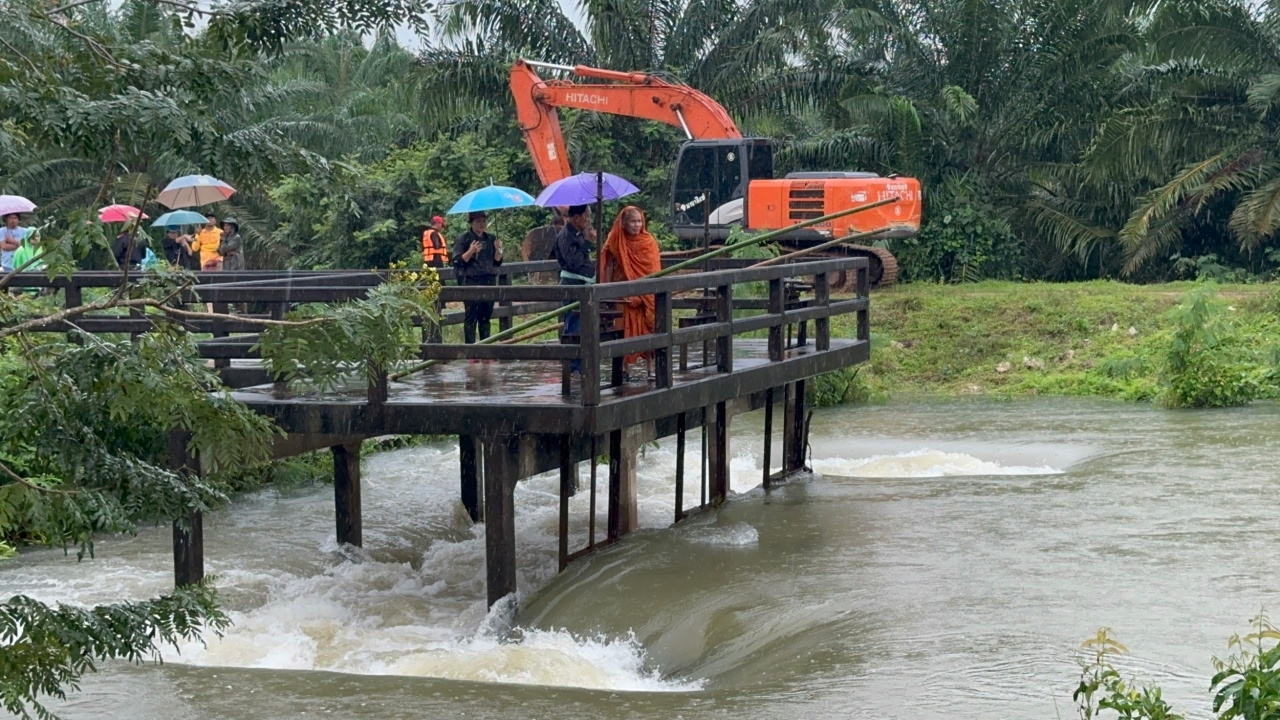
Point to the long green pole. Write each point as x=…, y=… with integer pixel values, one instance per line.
x=723, y=250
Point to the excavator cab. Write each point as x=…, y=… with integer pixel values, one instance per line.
x=711, y=180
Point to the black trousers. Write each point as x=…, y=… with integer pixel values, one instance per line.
x=478, y=313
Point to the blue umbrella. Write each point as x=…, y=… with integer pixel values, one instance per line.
x=179, y=217
x=493, y=197
x=585, y=189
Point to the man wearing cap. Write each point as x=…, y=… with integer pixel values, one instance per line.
x=231, y=247
x=175, y=246
x=435, y=249
x=207, y=239
x=477, y=256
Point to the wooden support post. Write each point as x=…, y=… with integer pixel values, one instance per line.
x=346, y=494
x=220, y=308
x=788, y=422
x=615, y=485
x=567, y=481
x=629, y=459
x=188, y=533
x=822, y=326
x=74, y=299
x=724, y=314
x=500, y=456
x=469, y=469
x=589, y=339
x=864, y=322
x=777, y=306
x=768, y=438
x=680, y=430
x=280, y=386
x=591, y=517
x=719, y=490
x=504, y=322
x=794, y=437
x=662, y=326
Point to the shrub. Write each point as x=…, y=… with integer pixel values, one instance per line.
x=1210, y=362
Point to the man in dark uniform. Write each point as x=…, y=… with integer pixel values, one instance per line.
x=477, y=254
x=573, y=251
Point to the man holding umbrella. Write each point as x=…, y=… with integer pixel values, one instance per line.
x=477, y=254
x=573, y=251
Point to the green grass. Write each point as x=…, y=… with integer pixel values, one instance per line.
x=1004, y=338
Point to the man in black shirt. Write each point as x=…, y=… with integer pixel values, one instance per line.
x=477, y=254
x=573, y=251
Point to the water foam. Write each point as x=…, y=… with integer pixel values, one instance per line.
x=923, y=463
x=361, y=612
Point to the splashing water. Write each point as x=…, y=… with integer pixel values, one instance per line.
x=921, y=464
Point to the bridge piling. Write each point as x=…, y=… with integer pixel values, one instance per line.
x=188, y=532
x=501, y=458
x=469, y=471
x=346, y=494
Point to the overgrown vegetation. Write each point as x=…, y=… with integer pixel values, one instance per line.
x=1182, y=344
x=1245, y=686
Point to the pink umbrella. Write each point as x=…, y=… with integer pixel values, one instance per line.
x=10, y=204
x=119, y=213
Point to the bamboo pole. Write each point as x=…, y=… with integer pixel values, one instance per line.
x=818, y=248
x=723, y=250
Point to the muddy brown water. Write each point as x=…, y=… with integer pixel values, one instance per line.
x=945, y=561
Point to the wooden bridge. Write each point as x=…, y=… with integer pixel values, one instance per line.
x=515, y=408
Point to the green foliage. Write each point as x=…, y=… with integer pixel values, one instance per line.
x=837, y=388
x=48, y=649
x=363, y=337
x=1245, y=686
x=1210, y=362
x=365, y=216
x=1102, y=687
x=966, y=243
x=1084, y=339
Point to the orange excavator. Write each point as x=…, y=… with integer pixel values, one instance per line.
x=722, y=179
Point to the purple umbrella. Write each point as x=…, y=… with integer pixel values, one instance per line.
x=585, y=189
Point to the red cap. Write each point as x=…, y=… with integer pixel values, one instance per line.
x=437, y=220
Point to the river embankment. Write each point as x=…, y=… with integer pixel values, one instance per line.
x=1095, y=339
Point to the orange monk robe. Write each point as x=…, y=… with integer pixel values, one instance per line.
x=631, y=257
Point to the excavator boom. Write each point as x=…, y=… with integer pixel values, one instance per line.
x=621, y=93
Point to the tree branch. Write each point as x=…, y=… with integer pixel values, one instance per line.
x=27, y=483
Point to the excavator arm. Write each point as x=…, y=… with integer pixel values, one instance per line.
x=622, y=93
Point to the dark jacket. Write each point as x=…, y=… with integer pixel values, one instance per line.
x=231, y=248
x=573, y=251
x=121, y=247
x=173, y=250
x=483, y=265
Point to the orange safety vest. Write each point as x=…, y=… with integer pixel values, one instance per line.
x=435, y=251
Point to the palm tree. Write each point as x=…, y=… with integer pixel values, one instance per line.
x=1196, y=131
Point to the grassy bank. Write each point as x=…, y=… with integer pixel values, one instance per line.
x=1097, y=338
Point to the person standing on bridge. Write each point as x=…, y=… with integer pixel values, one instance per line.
x=540, y=242
x=231, y=247
x=477, y=255
x=573, y=251
x=435, y=249
x=631, y=253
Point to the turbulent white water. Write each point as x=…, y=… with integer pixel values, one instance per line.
x=414, y=605
x=923, y=463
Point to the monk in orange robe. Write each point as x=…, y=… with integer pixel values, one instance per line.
x=631, y=253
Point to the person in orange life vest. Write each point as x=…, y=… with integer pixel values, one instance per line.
x=435, y=249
